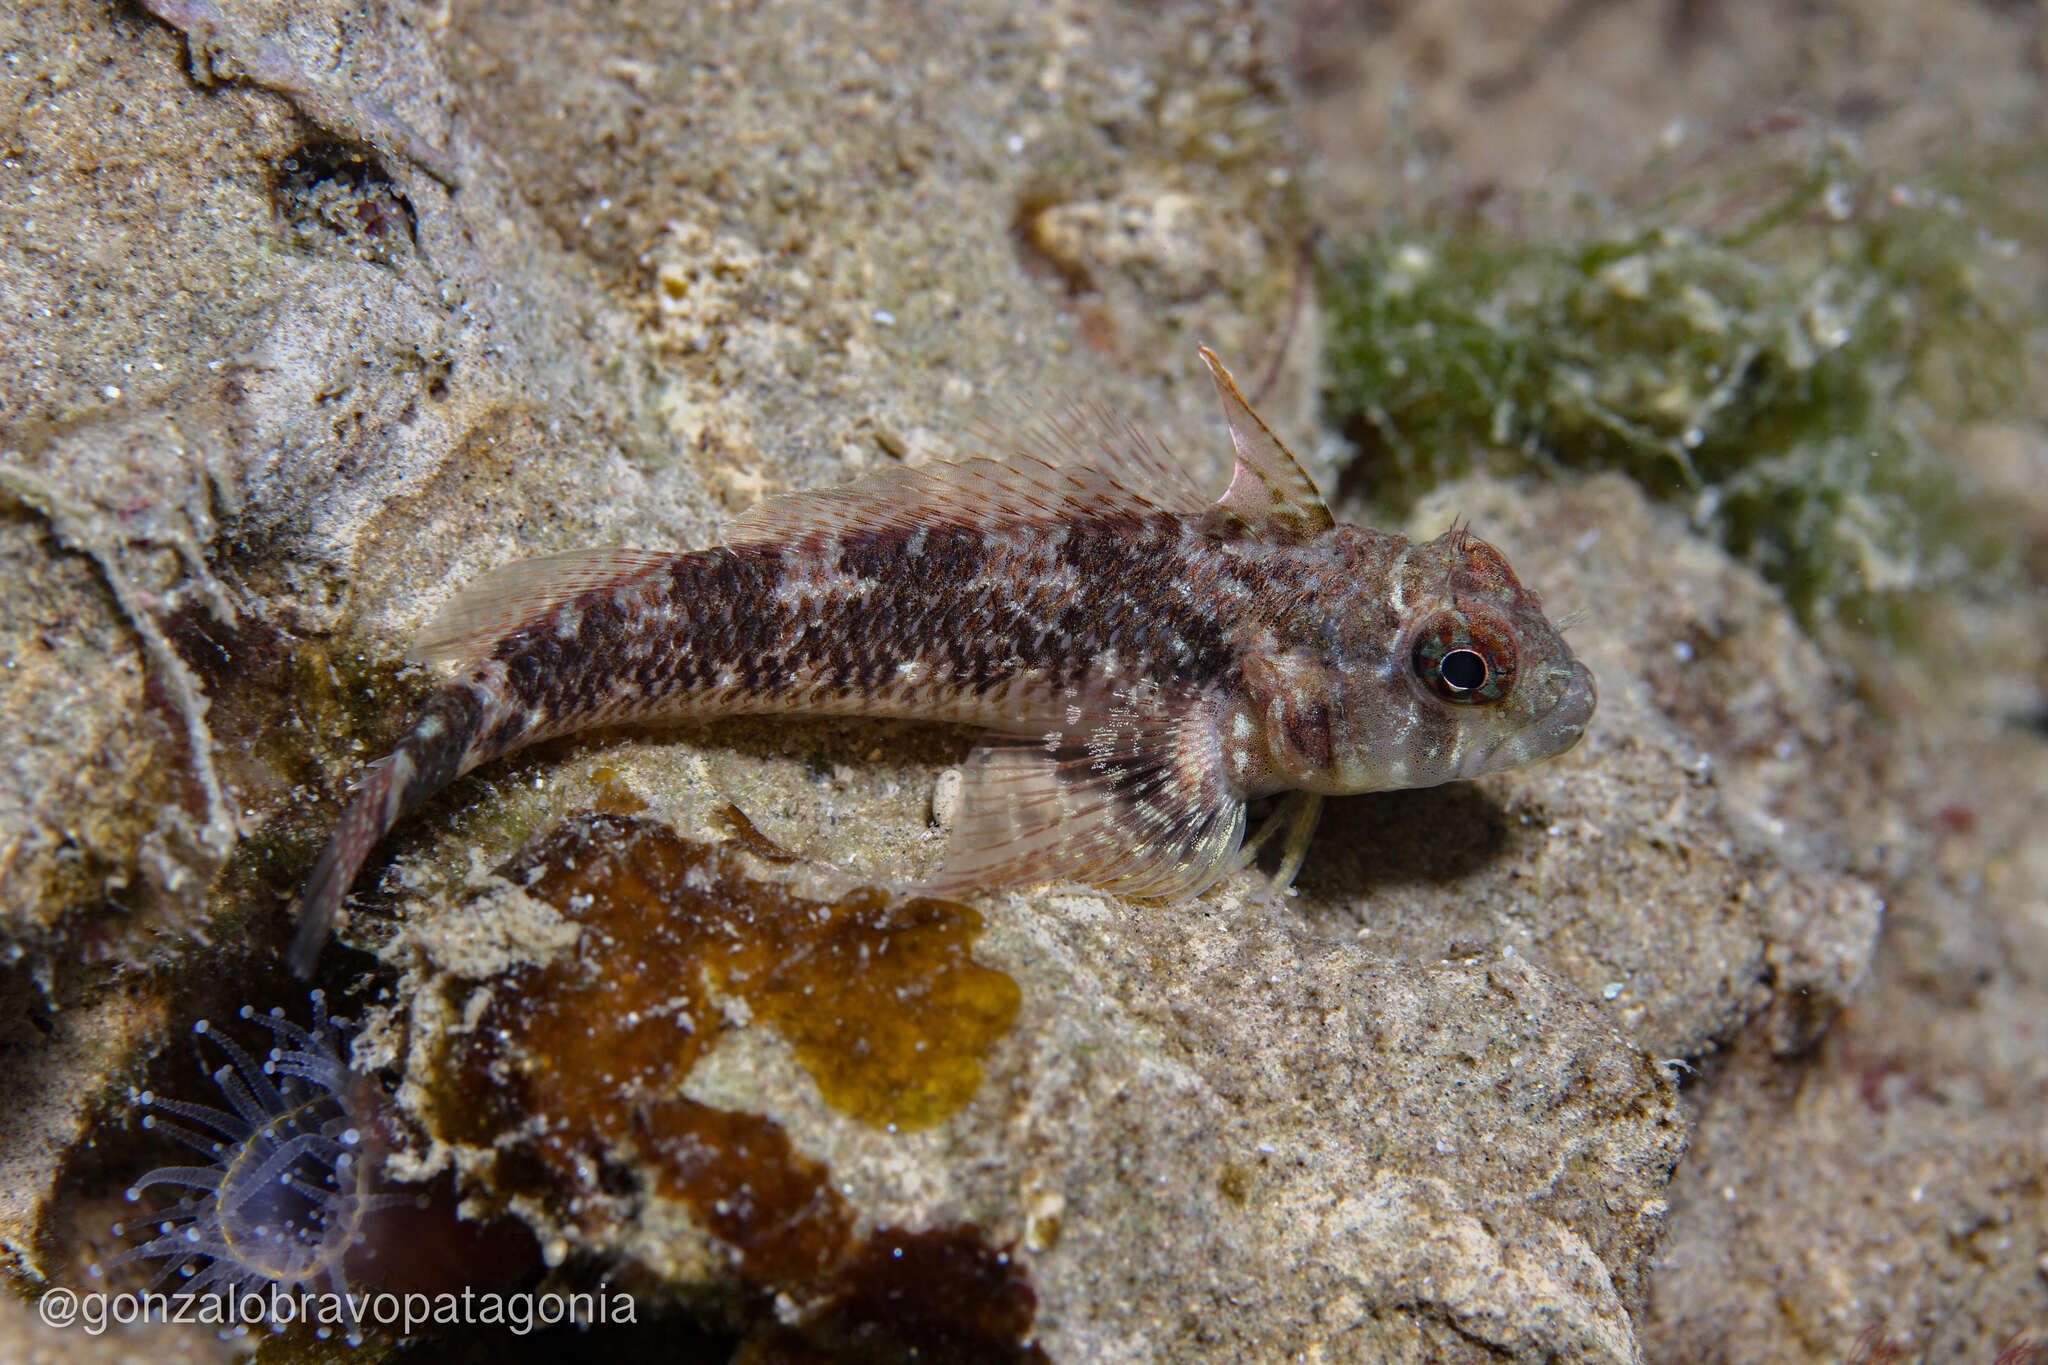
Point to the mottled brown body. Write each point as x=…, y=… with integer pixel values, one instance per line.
x=951, y=623
x=1146, y=661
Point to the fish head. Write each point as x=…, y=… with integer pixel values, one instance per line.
x=1453, y=673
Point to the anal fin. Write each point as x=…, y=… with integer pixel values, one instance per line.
x=1133, y=807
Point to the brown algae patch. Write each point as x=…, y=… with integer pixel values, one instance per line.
x=942, y=1296
x=880, y=1000
x=774, y=1206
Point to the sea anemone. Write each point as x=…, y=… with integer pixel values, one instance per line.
x=286, y=1197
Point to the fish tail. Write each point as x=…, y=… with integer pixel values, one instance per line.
x=444, y=743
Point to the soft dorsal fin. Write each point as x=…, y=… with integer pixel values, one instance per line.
x=1074, y=464
x=1078, y=464
x=471, y=623
x=1269, y=490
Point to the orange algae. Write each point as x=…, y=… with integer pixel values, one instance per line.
x=882, y=1004
x=613, y=796
x=880, y=1000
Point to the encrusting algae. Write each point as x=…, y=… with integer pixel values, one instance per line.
x=572, y=1075
x=878, y=997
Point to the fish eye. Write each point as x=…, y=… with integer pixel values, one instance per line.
x=1465, y=659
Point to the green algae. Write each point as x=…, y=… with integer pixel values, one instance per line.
x=1771, y=336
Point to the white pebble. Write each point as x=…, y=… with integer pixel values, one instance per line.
x=946, y=796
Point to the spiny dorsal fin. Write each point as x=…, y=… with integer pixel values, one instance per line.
x=471, y=623
x=1074, y=465
x=1269, y=490
x=1134, y=803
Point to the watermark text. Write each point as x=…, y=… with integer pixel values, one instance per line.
x=277, y=1307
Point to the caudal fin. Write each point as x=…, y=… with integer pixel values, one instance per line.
x=436, y=750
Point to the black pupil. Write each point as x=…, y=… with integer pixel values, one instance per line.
x=1463, y=670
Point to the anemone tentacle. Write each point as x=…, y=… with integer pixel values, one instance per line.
x=285, y=1201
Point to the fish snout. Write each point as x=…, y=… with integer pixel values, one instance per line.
x=1564, y=724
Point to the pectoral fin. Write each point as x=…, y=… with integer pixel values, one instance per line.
x=1132, y=807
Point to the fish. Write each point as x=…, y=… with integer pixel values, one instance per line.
x=1145, y=661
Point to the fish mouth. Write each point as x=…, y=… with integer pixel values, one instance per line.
x=1558, y=728
x=1564, y=724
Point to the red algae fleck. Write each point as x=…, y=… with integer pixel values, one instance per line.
x=741, y=831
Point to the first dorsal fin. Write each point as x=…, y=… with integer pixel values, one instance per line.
x=471, y=623
x=1269, y=490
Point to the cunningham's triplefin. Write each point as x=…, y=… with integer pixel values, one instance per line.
x=1145, y=659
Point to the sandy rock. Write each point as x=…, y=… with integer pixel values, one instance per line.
x=1416, y=1075
x=1919, y=1116
x=1683, y=865
x=1307, y=1144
